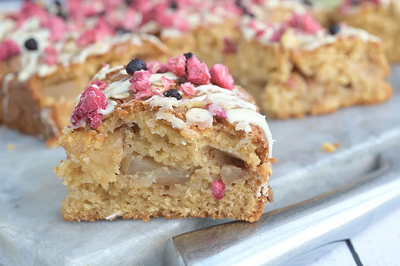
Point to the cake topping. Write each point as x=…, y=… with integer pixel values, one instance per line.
x=141, y=84
x=8, y=48
x=334, y=29
x=31, y=44
x=173, y=5
x=218, y=189
x=100, y=84
x=173, y=93
x=220, y=76
x=199, y=117
x=135, y=65
x=50, y=55
x=216, y=110
x=188, y=88
x=197, y=72
x=87, y=110
x=157, y=67
x=177, y=65
x=188, y=55
x=167, y=82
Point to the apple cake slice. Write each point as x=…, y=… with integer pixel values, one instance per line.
x=166, y=140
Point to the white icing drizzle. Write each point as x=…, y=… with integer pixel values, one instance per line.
x=112, y=216
x=5, y=92
x=254, y=118
x=48, y=121
x=199, y=117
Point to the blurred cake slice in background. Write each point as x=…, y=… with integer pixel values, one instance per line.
x=294, y=67
x=381, y=18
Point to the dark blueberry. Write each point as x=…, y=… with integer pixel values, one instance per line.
x=334, y=29
x=173, y=5
x=308, y=2
x=355, y=2
x=135, y=65
x=129, y=2
x=102, y=13
x=121, y=30
x=31, y=44
x=62, y=15
x=57, y=3
x=173, y=93
x=188, y=55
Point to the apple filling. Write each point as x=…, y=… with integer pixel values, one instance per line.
x=144, y=171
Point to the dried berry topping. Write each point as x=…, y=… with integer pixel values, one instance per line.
x=173, y=93
x=135, y=65
x=121, y=30
x=100, y=84
x=188, y=89
x=334, y=29
x=8, y=48
x=218, y=189
x=91, y=101
x=173, y=5
x=50, y=55
x=220, y=76
x=31, y=44
x=308, y=2
x=157, y=67
x=141, y=85
x=197, y=71
x=188, y=55
x=177, y=65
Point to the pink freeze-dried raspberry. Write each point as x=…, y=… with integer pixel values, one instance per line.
x=165, y=19
x=100, y=84
x=57, y=27
x=310, y=25
x=8, y=48
x=87, y=109
x=229, y=46
x=156, y=67
x=167, y=82
x=188, y=89
x=197, y=72
x=50, y=55
x=291, y=82
x=220, y=76
x=218, y=188
x=157, y=91
x=141, y=85
x=217, y=110
x=177, y=65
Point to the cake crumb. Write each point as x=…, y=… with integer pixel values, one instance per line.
x=10, y=147
x=329, y=147
x=336, y=144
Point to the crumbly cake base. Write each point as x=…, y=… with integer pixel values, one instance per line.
x=99, y=188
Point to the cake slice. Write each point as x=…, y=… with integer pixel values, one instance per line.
x=380, y=18
x=295, y=67
x=146, y=143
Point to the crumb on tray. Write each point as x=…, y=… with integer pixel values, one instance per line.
x=10, y=147
x=329, y=147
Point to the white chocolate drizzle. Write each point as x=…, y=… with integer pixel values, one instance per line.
x=5, y=91
x=238, y=111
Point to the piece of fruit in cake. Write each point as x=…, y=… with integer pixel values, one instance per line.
x=186, y=143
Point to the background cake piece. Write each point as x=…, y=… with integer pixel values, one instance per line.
x=168, y=144
x=294, y=67
x=380, y=18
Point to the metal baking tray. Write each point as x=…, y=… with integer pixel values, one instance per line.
x=32, y=231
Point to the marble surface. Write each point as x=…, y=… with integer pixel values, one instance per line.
x=32, y=231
